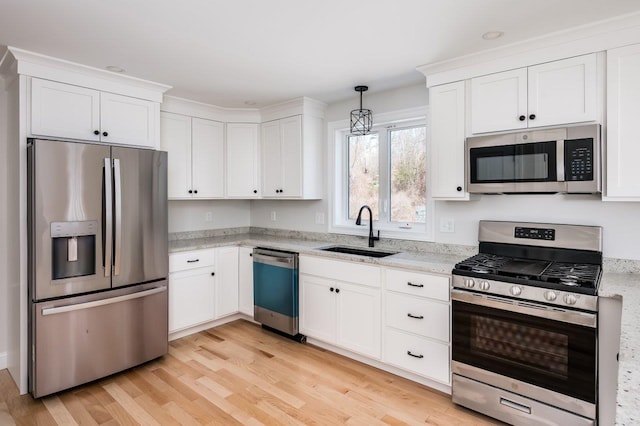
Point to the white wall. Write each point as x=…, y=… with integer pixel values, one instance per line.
x=3, y=227
x=191, y=215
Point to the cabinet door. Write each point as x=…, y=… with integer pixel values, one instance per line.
x=291, y=153
x=191, y=298
x=176, y=140
x=499, y=101
x=447, y=159
x=358, y=318
x=207, y=158
x=64, y=111
x=226, y=294
x=129, y=121
x=271, y=159
x=562, y=92
x=623, y=110
x=245, y=280
x=317, y=308
x=243, y=161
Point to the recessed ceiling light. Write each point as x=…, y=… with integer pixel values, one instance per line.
x=249, y=103
x=492, y=35
x=114, y=68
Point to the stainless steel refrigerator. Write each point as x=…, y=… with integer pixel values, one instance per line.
x=98, y=261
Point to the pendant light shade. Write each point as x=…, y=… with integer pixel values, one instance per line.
x=361, y=119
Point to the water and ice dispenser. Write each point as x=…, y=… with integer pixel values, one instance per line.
x=73, y=251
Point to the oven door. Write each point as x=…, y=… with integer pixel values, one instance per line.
x=528, y=348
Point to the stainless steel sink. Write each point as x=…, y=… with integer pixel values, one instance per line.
x=358, y=251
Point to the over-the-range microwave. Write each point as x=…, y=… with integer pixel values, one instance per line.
x=561, y=159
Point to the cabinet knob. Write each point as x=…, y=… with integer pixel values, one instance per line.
x=190, y=192
x=330, y=288
x=195, y=191
x=337, y=290
x=532, y=117
x=96, y=132
x=459, y=189
x=105, y=134
x=250, y=254
x=255, y=191
x=522, y=118
x=213, y=274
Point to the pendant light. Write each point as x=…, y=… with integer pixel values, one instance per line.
x=361, y=120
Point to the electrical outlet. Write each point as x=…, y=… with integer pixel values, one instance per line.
x=273, y=216
x=447, y=224
x=208, y=216
x=319, y=218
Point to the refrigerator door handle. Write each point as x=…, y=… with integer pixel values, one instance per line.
x=107, y=237
x=117, y=200
x=102, y=302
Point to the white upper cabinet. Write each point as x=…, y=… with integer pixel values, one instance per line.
x=196, y=160
x=623, y=109
x=553, y=93
x=446, y=163
x=282, y=161
x=66, y=111
x=243, y=160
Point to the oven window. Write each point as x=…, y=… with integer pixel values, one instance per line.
x=552, y=354
x=523, y=346
x=532, y=162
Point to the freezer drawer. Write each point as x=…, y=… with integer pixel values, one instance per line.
x=81, y=339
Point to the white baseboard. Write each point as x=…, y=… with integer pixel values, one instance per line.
x=3, y=360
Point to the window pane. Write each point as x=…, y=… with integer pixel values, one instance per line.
x=364, y=174
x=408, y=174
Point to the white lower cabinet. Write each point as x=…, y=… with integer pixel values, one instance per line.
x=245, y=280
x=203, y=286
x=345, y=314
x=417, y=323
x=191, y=288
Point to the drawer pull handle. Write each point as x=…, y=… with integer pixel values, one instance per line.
x=193, y=261
x=409, y=283
x=410, y=315
x=516, y=406
x=414, y=355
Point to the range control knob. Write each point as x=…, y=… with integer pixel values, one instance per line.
x=515, y=290
x=570, y=299
x=484, y=285
x=550, y=295
x=469, y=283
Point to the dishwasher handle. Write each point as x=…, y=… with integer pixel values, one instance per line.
x=276, y=258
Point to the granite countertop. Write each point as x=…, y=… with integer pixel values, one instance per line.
x=614, y=284
x=418, y=261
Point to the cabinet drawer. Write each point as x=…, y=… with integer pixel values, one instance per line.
x=191, y=259
x=416, y=315
x=417, y=354
x=425, y=285
x=341, y=271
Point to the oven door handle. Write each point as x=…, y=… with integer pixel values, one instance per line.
x=526, y=308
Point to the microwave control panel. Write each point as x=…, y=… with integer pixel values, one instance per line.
x=578, y=159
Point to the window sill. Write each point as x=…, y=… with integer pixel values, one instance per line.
x=417, y=233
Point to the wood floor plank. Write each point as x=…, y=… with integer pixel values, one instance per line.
x=239, y=373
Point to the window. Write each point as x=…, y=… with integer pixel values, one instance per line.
x=387, y=171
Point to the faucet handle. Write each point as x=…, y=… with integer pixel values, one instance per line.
x=378, y=237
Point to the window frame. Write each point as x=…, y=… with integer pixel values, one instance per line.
x=339, y=179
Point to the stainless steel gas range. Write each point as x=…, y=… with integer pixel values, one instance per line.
x=525, y=317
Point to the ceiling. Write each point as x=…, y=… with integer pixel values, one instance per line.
x=236, y=53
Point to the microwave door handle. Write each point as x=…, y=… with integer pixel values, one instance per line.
x=107, y=238
x=117, y=200
x=560, y=160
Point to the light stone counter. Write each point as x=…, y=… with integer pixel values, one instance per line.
x=441, y=263
x=621, y=279
x=628, y=397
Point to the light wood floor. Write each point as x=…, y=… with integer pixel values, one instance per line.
x=240, y=374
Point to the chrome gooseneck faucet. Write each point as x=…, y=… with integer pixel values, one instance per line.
x=359, y=222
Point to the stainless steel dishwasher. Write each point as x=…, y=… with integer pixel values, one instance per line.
x=275, y=291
